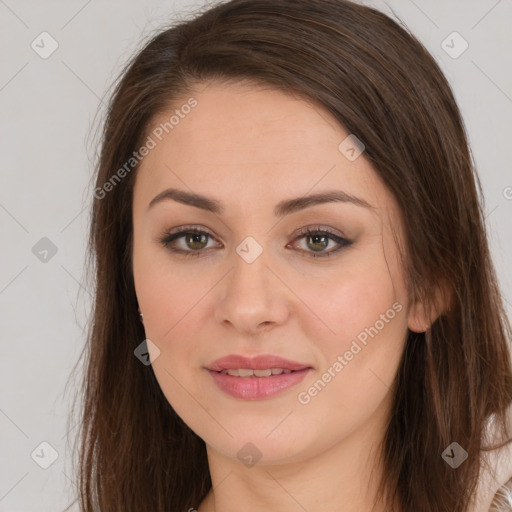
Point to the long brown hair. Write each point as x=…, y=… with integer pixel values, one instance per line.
x=382, y=85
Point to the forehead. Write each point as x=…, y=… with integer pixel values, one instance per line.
x=256, y=123
x=248, y=142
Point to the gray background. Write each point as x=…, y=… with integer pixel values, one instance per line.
x=50, y=111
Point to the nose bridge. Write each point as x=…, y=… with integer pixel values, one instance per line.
x=251, y=294
x=249, y=274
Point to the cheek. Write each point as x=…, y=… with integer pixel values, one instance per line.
x=368, y=314
x=168, y=292
x=172, y=304
x=354, y=301
x=364, y=308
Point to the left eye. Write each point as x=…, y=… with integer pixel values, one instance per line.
x=318, y=240
x=194, y=241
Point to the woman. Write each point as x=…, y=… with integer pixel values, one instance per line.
x=286, y=197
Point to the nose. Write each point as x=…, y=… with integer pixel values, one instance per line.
x=251, y=298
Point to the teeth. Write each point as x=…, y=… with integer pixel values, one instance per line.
x=262, y=373
x=245, y=372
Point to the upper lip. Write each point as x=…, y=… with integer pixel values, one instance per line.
x=260, y=362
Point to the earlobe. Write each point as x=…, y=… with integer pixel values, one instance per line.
x=419, y=319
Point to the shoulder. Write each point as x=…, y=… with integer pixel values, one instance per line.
x=502, y=501
x=494, y=492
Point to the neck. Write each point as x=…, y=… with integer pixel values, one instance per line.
x=343, y=478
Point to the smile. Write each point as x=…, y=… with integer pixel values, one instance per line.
x=255, y=373
x=248, y=385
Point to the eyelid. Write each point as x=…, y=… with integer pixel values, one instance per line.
x=320, y=228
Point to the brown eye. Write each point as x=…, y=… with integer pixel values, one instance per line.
x=317, y=241
x=189, y=242
x=195, y=240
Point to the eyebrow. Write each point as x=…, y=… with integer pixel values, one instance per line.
x=283, y=208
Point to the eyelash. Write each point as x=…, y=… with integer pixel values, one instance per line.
x=305, y=232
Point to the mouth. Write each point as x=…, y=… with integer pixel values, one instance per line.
x=265, y=362
x=256, y=378
x=248, y=372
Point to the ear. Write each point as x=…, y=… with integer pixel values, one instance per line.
x=420, y=319
x=417, y=318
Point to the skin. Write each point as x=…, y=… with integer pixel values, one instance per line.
x=237, y=140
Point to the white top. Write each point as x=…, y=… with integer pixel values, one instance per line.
x=498, y=478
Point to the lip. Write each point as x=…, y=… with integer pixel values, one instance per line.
x=256, y=388
x=260, y=362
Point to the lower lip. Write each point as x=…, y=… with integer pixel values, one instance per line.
x=256, y=388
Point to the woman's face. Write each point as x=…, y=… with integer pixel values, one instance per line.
x=251, y=284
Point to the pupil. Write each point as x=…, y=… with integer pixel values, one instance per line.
x=194, y=236
x=316, y=238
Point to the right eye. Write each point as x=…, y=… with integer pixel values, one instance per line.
x=193, y=241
